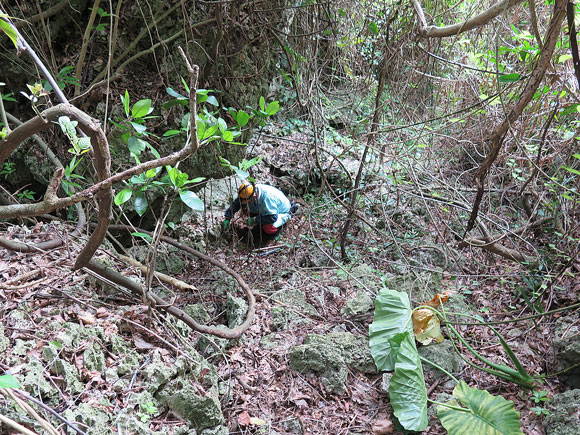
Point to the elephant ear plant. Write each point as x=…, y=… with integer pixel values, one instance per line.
x=392, y=343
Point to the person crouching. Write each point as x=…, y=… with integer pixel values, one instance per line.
x=265, y=205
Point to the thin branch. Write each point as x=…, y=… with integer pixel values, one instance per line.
x=83, y=53
x=497, y=136
x=426, y=31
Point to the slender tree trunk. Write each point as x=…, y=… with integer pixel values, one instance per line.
x=497, y=136
x=370, y=143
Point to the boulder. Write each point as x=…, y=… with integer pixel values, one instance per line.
x=330, y=356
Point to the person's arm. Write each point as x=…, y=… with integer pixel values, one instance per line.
x=267, y=219
x=233, y=209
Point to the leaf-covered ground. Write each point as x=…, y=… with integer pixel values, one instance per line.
x=302, y=287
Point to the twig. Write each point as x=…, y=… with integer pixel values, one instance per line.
x=49, y=409
x=16, y=426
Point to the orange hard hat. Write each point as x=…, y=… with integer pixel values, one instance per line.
x=246, y=192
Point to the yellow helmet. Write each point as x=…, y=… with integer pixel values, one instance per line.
x=246, y=192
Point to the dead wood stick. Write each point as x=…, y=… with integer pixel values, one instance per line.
x=177, y=283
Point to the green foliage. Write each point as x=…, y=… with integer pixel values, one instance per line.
x=8, y=381
x=26, y=194
x=484, y=414
x=36, y=96
x=80, y=144
x=63, y=79
x=148, y=410
x=102, y=14
x=8, y=168
x=539, y=397
x=175, y=180
x=392, y=317
x=407, y=388
x=241, y=170
x=8, y=29
x=392, y=344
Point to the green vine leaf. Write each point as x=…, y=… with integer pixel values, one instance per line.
x=8, y=30
x=191, y=200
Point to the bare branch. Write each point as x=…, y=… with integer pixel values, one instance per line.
x=497, y=136
x=426, y=31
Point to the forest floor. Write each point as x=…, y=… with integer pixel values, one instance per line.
x=263, y=394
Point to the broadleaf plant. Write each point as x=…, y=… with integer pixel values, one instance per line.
x=392, y=344
x=484, y=414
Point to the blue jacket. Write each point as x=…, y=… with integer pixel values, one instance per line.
x=271, y=207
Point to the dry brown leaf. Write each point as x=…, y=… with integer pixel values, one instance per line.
x=86, y=317
x=142, y=344
x=244, y=419
x=421, y=319
x=438, y=299
x=383, y=427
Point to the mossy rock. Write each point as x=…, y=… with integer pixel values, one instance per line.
x=330, y=355
x=289, y=314
x=157, y=373
x=443, y=355
x=361, y=304
x=567, y=350
x=199, y=410
x=564, y=418
x=87, y=415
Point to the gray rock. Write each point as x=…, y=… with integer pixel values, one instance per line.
x=366, y=277
x=386, y=382
x=33, y=380
x=330, y=355
x=168, y=259
x=361, y=304
x=236, y=311
x=219, y=430
x=566, y=346
x=289, y=314
x=200, y=411
x=4, y=342
x=89, y=416
x=564, y=418
x=70, y=374
x=442, y=354
x=94, y=357
x=156, y=374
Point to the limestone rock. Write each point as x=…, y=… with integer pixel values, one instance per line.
x=567, y=350
x=444, y=355
x=564, y=418
x=361, y=304
x=236, y=310
x=330, y=356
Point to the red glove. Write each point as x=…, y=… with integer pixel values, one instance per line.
x=270, y=229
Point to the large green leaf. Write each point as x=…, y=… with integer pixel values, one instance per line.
x=392, y=316
x=407, y=389
x=141, y=108
x=191, y=200
x=485, y=414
